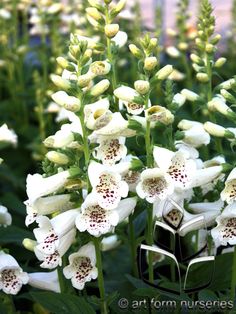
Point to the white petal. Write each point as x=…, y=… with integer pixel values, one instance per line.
x=45, y=281
x=162, y=157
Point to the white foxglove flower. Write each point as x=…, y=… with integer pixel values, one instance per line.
x=154, y=185
x=112, y=125
x=37, y=186
x=5, y=217
x=132, y=178
x=187, y=150
x=108, y=186
x=224, y=233
x=120, y=39
x=229, y=192
x=12, y=276
x=52, y=260
x=218, y=130
x=95, y=111
x=51, y=230
x=206, y=175
x=45, y=206
x=68, y=102
x=45, y=281
x=110, y=150
x=159, y=114
x=60, y=139
x=199, y=208
x=7, y=135
x=196, y=136
x=179, y=100
x=97, y=220
x=180, y=169
x=132, y=107
x=82, y=267
x=188, y=124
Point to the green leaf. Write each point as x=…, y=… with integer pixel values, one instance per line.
x=62, y=303
x=13, y=234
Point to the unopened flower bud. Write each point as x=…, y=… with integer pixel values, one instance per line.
x=202, y=77
x=153, y=43
x=217, y=130
x=196, y=59
x=120, y=6
x=164, y=72
x=209, y=48
x=100, y=88
x=70, y=103
x=111, y=30
x=95, y=14
x=150, y=63
x=228, y=96
x=179, y=100
x=60, y=82
x=220, y=62
x=142, y=87
x=191, y=96
x=172, y=52
x=183, y=46
x=29, y=244
x=216, y=39
x=136, y=51
x=84, y=80
x=57, y=158
x=227, y=84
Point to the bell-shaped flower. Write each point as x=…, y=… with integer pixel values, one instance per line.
x=113, y=124
x=7, y=135
x=180, y=169
x=37, y=185
x=188, y=151
x=45, y=281
x=51, y=230
x=52, y=260
x=229, y=192
x=194, y=133
x=98, y=221
x=108, y=186
x=45, y=206
x=12, y=276
x=225, y=231
x=120, y=39
x=110, y=150
x=210, y=209
x=93, y=112
x=132, y=107
x=206, y=175
x=159, y=114
x=82, y=266
x=5, y=217
x=154, y=185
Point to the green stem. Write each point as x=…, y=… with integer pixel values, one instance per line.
x=133, y=246
x=233, y=278
x=148, y=137
x=150, y=242
x=101, y=286
x=85, y=146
